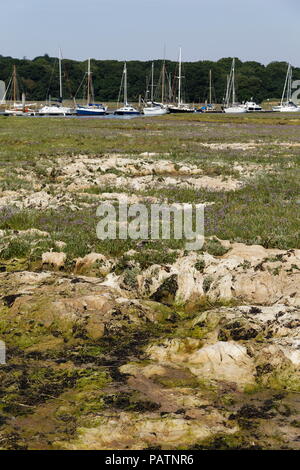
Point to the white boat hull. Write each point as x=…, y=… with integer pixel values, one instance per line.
x=56, y=111
x=126, y=111
x=14, y=112
x=286, y=109
x=235, y=110
x=155, y=111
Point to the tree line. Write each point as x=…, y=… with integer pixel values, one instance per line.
x=38, y=78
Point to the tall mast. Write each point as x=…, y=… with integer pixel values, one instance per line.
x=14, y=84
x=286, y=84
x=163, y=82
x=179, y=79
x=152, y=82
x=233, y=81
x=289, y=98
x=60, y=77
x=210, y=88
x=125, y=84
x=89, y=82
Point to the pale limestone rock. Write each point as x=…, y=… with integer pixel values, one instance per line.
x=128, y=431
x=227, y=361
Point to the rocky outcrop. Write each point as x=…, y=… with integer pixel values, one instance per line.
x=250, y=274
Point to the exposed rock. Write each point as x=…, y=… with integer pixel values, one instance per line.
x=247, y=274
x=54, y=259
x=103, y=264
x=126, y=430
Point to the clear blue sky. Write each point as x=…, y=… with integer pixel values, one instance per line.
x=262, y=30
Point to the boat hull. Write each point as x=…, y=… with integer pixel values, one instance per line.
x=56, y=111
x=235, y=110
x=87, y=112
x=288, y=109
x=155, y=111
x=126, y=113
x=177, y=110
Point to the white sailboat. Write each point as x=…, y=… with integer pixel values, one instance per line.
x=153, y=108
x=57, y=109
x=127, y=109
x=180, y=107
x=286, y=104
x=91, y=108
x=233, y=106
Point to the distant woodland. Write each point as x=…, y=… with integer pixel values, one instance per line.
x=39, y=77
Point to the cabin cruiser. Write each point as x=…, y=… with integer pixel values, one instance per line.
x=251, y=106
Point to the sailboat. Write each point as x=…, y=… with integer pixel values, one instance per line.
x=232, y=107
x=153, y=108
x=209, y=106
x=16, y=108
x=180, y=107
x=57, y=109
x=91, y=108
x=127, y=109
x=287, y=106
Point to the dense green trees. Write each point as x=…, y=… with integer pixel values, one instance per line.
x=39, y=77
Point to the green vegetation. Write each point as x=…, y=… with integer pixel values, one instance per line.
x=254, y=79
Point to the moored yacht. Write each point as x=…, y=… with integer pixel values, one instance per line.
x=252, y=107
x=232, y=107
x=288, y=107
x=180, y=107
x=91, y=108
x=57, y=109
x=127, y=109
x=286, y=104
x=16, y=108
x=153, y=108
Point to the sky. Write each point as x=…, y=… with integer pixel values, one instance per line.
x=261, y=30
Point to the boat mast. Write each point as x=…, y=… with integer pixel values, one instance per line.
x=233, y=81
x=125, y=84
x=60, y=77
x=179, y=79
x=286, y=85
x=152, y=82
x=14, y=84
x=210, y=88
x=163, y=82
x=163, y=77
x=89, y=82
x=289, y=97
x=227, y=91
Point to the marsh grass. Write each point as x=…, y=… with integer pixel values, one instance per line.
x=265, y=210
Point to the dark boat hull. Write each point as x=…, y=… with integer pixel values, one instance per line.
x=126, y=113
x=86, y=112
x=181, y=111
